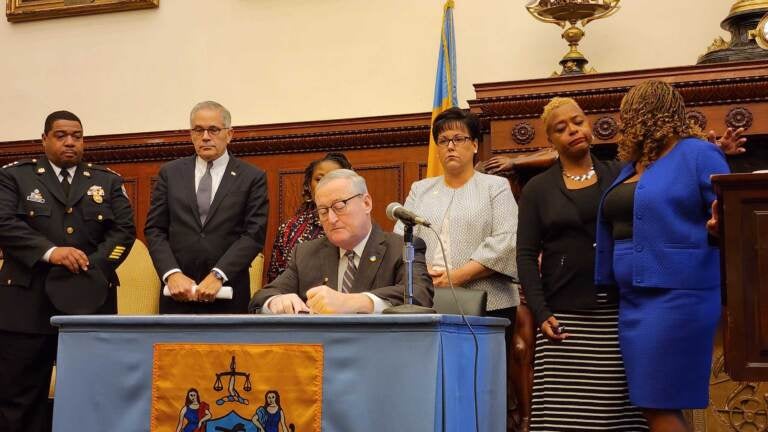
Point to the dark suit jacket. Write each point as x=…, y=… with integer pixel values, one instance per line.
x=381, y=271
x=35, y=216
x=549, y=223
x=232, y=236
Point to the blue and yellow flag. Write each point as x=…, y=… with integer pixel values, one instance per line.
x=445, y=83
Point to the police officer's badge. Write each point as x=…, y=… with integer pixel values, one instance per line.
x=96, y=193
x=36, y=196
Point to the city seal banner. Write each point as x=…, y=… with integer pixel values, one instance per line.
x=237, y=388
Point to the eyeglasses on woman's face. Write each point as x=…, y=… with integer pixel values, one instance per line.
x=457, y=140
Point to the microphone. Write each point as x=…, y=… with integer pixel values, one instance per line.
x=396, y=211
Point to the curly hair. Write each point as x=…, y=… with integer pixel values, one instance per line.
x=306, y=192
x=651, y=113
x=553, y=104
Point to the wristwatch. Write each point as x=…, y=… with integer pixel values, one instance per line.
x=218, y=275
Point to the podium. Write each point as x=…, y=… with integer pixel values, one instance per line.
x=380, y=373
x=744, y=262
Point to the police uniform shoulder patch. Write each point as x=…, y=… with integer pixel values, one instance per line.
x=104, y=169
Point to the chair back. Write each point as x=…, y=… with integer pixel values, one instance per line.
x=139, y=291
x=473, y=302
x=256, y=273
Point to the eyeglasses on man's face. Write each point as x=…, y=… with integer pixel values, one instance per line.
x=338, y=207
x=456, y=140
x=212, y=130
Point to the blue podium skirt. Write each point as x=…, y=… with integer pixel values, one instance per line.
x=666, y=338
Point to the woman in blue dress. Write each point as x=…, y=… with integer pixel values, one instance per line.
x=652, y=242
x=270, y=416
x=194, y=412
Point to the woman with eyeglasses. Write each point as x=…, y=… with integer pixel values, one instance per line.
x=475, y=216
x=304, y=225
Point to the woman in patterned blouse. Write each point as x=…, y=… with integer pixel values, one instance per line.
x=304, y=225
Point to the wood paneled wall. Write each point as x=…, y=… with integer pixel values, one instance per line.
x=388, y=151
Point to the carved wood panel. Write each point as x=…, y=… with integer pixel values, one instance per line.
x=744, y=234
x=131, y=191
x=290, y=187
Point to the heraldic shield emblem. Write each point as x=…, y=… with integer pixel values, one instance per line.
x=237, y=388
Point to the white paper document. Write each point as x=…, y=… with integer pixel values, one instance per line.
x=225, y=293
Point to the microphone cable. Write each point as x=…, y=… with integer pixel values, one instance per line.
x=469, y=326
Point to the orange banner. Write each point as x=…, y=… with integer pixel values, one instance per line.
x=237, y=388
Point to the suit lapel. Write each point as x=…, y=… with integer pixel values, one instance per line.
x=227, y=180
x=328, y=256
x=370, y=260
x=187, y=181
x=438, y=202
x=47, y=177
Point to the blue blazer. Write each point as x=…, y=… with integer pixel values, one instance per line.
x=672, y=204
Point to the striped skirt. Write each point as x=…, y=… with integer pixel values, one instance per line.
x=579, y=384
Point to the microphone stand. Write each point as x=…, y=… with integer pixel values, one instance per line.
x=408, y=255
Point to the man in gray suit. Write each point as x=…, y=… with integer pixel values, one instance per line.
x=207, y=220
x=358, y=268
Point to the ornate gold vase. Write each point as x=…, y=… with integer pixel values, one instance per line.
x=742, y=22
x=562, y=12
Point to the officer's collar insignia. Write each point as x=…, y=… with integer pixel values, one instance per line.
x=40, y=170
x=36, y=196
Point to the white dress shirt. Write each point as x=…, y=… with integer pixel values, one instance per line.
x=217, y=172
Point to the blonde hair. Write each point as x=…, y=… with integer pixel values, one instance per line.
x=651, y=113
x=555, y=103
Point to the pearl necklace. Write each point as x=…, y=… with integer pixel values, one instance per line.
x=581, y=178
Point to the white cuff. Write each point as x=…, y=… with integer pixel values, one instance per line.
x=265, y=306
x=379, y=304
x=168, y=273
x=221, y=273
x=47, y=255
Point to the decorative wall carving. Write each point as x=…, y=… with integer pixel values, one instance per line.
x=606, y=128
x=603, y=93
x=708, y=89
x=734, y=405
x=290, y=185
x=739, y=117
x=698, y=118
x=523, y=133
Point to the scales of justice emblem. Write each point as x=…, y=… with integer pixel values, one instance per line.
x=232, y=374
x=267, y=418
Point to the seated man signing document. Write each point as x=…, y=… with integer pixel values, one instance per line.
x=357, y=268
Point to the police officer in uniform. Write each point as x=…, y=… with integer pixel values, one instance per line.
x=58, y=216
